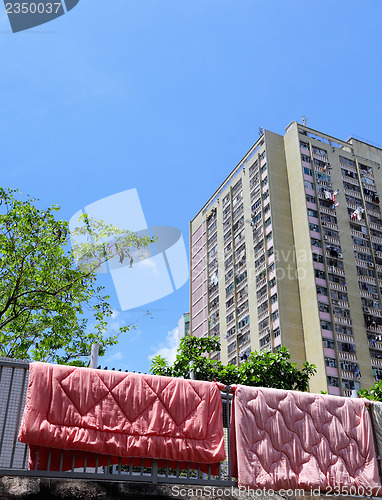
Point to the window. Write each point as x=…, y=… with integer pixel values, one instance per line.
x=321, y=290
x=231, y=347
x=305, y=158
x=253, y=167
x=330, y=362
x=263, y=307
x=276, y=332
x=274, y=298
x=319, y=151
x=229, y=302
x=323, y=307
x=236, y=187
x=323, y=177
x=212, y=252
x=347, y=161
x=265, y=340
x=319, y=274
x=243, y=322
x=229, y=275
x=312, y=213
x=308, y=185
x=328, y=343
x=310, y=198
x=314, y=227
x=256, y=205
x=229, y=288
x=318, y=258
x=339, y=295
x=261, y=292
x=325, y=325
x=230, y=317
x=315, y=242
x=231, y=331
x=304, y=145
x=333, y=381
x=256, y=218
x=308, y=171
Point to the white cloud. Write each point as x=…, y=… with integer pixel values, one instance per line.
x=115, y=313
x=169, y=347
x=114, y=357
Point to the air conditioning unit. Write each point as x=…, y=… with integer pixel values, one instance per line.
x=371, y=265
x=335, y=301
x=375, y=295
x=325, y=237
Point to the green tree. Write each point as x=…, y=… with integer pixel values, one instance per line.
x=264, y=369
x=46, y=301
x=374, y=393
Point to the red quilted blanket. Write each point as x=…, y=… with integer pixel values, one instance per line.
x=120, y=415
x=289, y=439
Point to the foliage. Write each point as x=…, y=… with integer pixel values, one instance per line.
x=374, y=393
x=264, y=369
x=44, y=298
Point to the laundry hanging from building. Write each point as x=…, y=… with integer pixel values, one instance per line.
x=118, y=414
x=288, y=440
x=357, y=214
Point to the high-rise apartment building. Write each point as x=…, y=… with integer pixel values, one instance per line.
x=288, y=251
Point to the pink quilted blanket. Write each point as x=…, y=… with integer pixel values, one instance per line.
x=288, y=439
x=120, y=415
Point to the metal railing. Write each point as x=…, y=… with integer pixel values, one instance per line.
x=14, y=455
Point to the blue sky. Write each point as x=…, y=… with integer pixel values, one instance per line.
x=158, y=94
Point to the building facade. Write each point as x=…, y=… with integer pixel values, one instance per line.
x=183, y=326
x=288, y=251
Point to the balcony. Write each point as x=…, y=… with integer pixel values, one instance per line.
x=376, y=362
x=326, y=210
x=336, y=270
x=337, y=286
x=347, y=356
x=350, y=180
x=329, y=225
x=261, y=283
x=348, y=375
x=366, y=279
x=375, y=344
x=348, y=167
x=372, y=225
x=355, y=194
x=348, y=339
x=374, y=329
